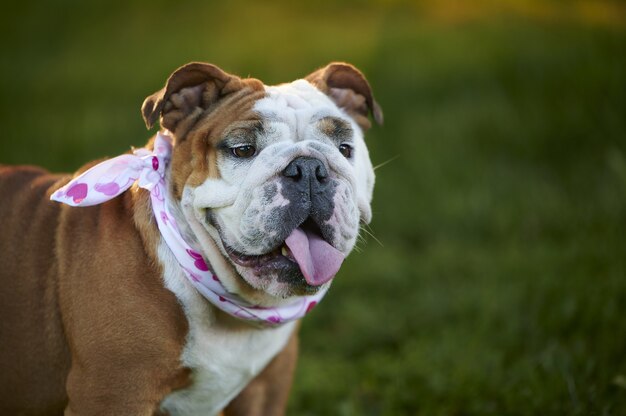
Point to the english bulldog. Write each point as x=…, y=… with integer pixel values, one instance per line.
x=171, y=279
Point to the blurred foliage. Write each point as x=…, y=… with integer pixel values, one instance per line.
x=499, y=284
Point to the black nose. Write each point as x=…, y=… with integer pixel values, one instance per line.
x=310, y=189
x=307, y=171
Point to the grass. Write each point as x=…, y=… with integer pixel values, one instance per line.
x=499, y=286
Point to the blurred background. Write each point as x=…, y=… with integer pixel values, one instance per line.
x=496, y=281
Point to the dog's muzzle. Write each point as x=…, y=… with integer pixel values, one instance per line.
x=307, y=186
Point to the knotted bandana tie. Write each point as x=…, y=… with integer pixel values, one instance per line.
x=112, y=177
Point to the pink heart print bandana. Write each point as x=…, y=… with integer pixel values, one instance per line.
x=112, y=177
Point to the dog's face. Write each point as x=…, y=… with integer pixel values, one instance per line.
x=273, y=181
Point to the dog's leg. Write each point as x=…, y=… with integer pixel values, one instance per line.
x=267, y=394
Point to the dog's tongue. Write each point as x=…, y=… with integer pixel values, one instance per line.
x=318, y=260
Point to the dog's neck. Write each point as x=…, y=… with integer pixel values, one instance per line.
x=143, y=218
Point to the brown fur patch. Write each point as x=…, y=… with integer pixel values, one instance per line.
x=32, y=344
x=195, y=154
x=335, y=128
x=85, y=282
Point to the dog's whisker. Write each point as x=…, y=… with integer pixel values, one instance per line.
x=371, y=234
x=380, y=165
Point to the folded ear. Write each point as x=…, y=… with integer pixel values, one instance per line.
x=349, y=89
x=189, y=91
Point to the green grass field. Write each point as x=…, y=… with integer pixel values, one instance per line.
x=498, y=285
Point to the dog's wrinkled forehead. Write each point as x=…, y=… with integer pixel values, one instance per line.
x=297, y=104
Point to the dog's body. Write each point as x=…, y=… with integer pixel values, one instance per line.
x=97, y=315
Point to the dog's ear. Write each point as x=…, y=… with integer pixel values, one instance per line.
x=189, y=91
x=349, y=89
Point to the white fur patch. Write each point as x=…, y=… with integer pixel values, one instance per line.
x=223, y=359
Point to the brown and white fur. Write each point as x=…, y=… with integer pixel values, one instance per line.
x=97, y=317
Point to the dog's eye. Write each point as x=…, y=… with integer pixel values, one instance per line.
x=346, y=150
x=244, y=151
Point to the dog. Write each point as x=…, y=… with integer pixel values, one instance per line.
x=171, y=280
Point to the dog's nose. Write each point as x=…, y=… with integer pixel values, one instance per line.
x=306, y=170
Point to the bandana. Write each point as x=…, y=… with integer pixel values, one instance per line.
x=112, y=177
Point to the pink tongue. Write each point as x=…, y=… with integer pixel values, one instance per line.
x=318, y=260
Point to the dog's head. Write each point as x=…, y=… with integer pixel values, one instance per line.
x=271, y=181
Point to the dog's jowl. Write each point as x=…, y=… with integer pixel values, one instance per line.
x=171, y=279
